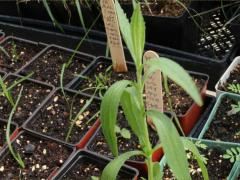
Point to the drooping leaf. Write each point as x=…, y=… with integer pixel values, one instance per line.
x=138, y=33
x=134, y=115
x=176, y=73
x=110, y=172
x=191, y=147
x=172, y=145
x=109, y=111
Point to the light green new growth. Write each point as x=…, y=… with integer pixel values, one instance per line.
x=234, y=88
x=235, y=109
x=15, y=155
x=232, y=154
x=125, y=133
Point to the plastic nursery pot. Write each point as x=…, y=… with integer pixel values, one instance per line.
x=2, y=35
x=47, y=65
x=138, y=164
x=235, y=29
x=100, y=66
x=189, y=119
x=214, y=112
x=24, y=49
x=14, y=132
x=221, y=146
x=2, y=74
x=83, y=158
x=207, y=108
x=45, y=153
x=178, y=32
x=34, y=94
x=51, y=120
x=226, y=75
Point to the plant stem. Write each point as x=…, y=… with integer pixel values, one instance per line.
x=150, y=168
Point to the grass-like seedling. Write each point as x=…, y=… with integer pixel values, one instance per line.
x=14, y=54
x=15, y=155
x=234, y=88
x=6, y=91
x=130, y=96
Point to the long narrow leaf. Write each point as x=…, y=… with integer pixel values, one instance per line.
x=134, y=115
x=110, y=172
x=176, y=73
x=138, y=33
x=55, y=22
x=191, y=147
x=172, y=145
x=109, y=111
x=125, y=28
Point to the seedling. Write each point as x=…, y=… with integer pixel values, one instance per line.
x=15, y=55
x=130, y=96
x=125, y=133
x=235, y=109
x=15, y=155
x=6, y=91
x=4, y=51
x=232, y=154
x=234, y=88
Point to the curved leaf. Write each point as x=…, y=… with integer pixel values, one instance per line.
x=109, y=111
x=172, y=145
x=134, y=115
x=191, y=147
x=176, y=73
x=111, y=170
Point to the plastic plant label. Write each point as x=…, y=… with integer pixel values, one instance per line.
x=153, y=86
x=113, y=35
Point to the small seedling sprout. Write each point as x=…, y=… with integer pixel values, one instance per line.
x=15, y=155
x=232, y=154
x=234, y=88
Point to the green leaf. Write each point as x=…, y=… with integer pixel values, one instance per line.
x=80, y=14
x=138, y=33
x=110, y=172
x=134, y=115
x=157, y=171
x=191, y=147
x=55, y=22
x=109, y=111
x=176, y=73
x=172, y=144
x=125, y=28
x=117, y=129
x=125, y=133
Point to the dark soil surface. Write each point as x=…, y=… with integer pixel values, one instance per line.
x=32, y=96
x=40, y=156
x=165, y=8
x=218, y=167
x=48, y=66
x=19, y=54
x=2, y=74
x=54, y=118
x=233, y=79
x=86, y=168
x=99, y=145
x=180, y=99
x=103, y=75
x=3, y=128
x=225, y=127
